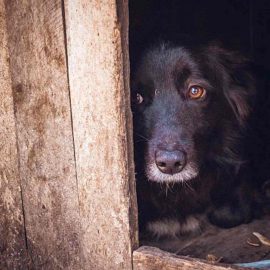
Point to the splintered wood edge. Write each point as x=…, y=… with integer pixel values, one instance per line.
x=151, y=258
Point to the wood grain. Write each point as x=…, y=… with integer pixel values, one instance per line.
x=99, y=85
x=150, y=258
x=44, y=131
x=12, y=240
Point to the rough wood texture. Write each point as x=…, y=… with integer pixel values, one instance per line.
x=12, y=242
x=123, y=17
x=45, y=143
x=102, y=130
x=150, y=258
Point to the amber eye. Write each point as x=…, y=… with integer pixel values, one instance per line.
x=196, y=92
x=139, y=98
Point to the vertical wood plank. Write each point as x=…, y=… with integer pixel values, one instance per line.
x=99, y=86
x=123, y=18
x=12, y=240
x=45, y=142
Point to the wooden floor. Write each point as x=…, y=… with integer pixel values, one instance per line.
x=231, y=245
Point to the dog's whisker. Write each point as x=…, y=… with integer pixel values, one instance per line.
x=137, y=141
x=143, y=137
x=166, y=189
x=189, y=187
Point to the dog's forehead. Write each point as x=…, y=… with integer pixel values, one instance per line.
x=160, y=63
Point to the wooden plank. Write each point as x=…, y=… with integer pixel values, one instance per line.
x=12, y=240
x=98, y=63
x=123, y=17
x=150, y=258
x=45, y=142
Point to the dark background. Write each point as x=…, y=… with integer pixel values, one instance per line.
x=243, y=25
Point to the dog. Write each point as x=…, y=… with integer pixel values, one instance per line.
x=191, y=111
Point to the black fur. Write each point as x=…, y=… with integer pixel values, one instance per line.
x=212, y=131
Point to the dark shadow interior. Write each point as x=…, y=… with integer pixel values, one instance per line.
x=242, y=25
x=239, y=24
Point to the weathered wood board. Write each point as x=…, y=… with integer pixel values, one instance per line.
x=12, y=239
x=150, y=258
x=99, y=79
x=44, y=132
x=70, y=152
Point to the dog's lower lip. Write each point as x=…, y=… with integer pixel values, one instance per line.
x=171, y=173
x=188, y=172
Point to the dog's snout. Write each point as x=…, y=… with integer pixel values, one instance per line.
x=170, y=162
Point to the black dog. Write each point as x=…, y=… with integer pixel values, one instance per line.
x=191, y=112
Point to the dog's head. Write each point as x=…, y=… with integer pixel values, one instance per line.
x=188, y=107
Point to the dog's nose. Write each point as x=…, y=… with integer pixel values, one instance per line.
x=170, y=162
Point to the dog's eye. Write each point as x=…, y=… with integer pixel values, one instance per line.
x=139, y=98
x=196, y=92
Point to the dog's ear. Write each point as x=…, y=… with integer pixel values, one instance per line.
x=238, y=82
